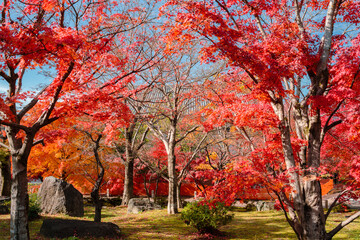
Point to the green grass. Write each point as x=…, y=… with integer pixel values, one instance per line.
x=158, y=225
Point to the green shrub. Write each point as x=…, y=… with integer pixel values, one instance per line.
x=204, y=218
x=6, y=203
x=34, y=207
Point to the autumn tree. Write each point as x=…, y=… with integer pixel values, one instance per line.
x=73, y=40
x=94, y=139
x=169, y=108
x=288, y=61
x=134, y=138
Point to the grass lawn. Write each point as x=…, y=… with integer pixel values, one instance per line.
x=158, y=225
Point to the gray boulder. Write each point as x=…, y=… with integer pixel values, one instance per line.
x=57, y=196
x=137, y=205
x=264, y=206
x=65, y=228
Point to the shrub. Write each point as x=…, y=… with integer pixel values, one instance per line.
x=34, y=207
x=341, y=208
x=206, y=217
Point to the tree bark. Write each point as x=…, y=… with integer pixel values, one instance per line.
x=128, y=181
x=95, y=196
x=307, y=215
x=129, y=166
x=178, y=196
x=95, y=193
x=314, y=224
x=5, y=176
x=19, y=226
x=172, y=199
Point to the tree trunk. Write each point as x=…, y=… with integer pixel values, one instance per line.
x=5, y=176
x=314, y=222
x=307, y=215
x=128, y=181
x=19, y=227
x=95, y=196
x=129, y=165
x=178, y=196
x=172, y=203
x=95, y=193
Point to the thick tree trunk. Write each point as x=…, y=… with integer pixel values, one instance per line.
x=314, y=222
x=128, y=181
x=19, y=227
x=5, y=176
x=306, y=216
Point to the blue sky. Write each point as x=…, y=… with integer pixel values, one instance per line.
x=32, y=80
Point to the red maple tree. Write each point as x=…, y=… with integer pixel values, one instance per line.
x=293, y=76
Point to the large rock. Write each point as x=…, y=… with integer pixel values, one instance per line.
x=57, y=196
x=64, y=228
x=264, y=206
x=137, y=205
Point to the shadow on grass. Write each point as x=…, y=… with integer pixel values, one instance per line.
x=90, y=216
x=261, y=227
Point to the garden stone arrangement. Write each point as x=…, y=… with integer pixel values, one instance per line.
x=57, y=196
x=137, y=205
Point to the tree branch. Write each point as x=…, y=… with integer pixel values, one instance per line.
x=192, y=157
x=15, y=125
x=186, y=134
x=327, y=38
x=342, y=225
x=39, y=142
x=334, y=203
x=30, y=105
x=42, y=121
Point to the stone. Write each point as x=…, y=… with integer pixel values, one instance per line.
x=65, y=228
x=137, y=205
x=4, y=210
x=57, y=196
x=264, y=206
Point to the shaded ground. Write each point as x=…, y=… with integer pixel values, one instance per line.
x=158, y=225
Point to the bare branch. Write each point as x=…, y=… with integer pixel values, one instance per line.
x=192, y=157
x=39, y=142
x=342, y=225
x=187, y=133
x=30, y=105
x=142, y=141
x=334, y=203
